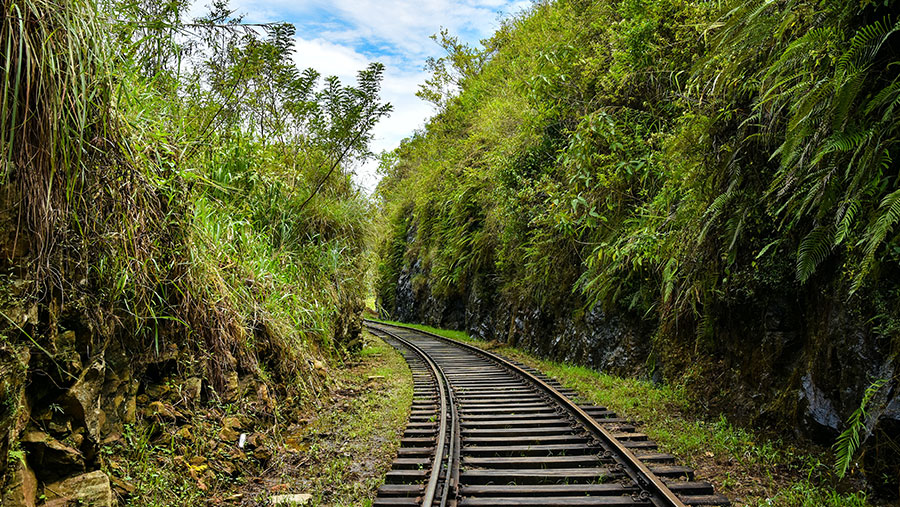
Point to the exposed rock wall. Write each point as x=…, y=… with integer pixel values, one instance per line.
x=799, y=361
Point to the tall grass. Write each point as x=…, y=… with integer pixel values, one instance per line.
x=167, y=225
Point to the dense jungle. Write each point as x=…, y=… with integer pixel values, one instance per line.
x=682, y=204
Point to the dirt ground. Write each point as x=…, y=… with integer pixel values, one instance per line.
x=341, y=453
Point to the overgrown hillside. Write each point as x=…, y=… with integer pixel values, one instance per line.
x=703, y=193
x=182, y=248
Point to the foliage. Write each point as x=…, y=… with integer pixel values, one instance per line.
x=184, y=182
x=849, y=441
x=686, y=167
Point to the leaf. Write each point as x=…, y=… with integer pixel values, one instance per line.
x=814, y=248
x=848, y=441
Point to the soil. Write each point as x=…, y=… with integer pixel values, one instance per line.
x=341, y=453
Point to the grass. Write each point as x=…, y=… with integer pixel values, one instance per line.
x=748, y=467
x=338, y=451
x=352, y=442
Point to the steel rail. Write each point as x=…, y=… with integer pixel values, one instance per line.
x=445, y=393
x=638, y=471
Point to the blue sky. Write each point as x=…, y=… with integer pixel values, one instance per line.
x=341, y=37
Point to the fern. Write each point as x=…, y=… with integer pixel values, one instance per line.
x=814, y=248
x=844, y=220
x=848, y=441
x=875, y=234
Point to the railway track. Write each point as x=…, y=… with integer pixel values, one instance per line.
x=486, y=431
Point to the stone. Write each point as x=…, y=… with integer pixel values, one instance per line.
x=92, y=488
x=123, y=487
x=291, y=500
x=192, y=389
x=262, y=394
x=232, y=386
x=157, y=391
x=229, y=435
x=255, y=440
x=66, y=339
x=83, y=398
x=52, y=459
x=231, y=422
x=129, y=415
x=161, y=410
x=21, y=488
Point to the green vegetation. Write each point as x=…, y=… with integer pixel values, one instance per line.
x=202, y=213
x=176, y=203
x=353, y=440
x=716, y=176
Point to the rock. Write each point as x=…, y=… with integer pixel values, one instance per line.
x=157, y=391
x=60, y=426
x=52, y=459
x=192, y=389
x=262, y=454
x=229, y=435
x=83, y=398
x=262, y=394
x=92, y=488
x=160, y=410
x=255, y=440
x=226, y=467
x=232, y=386
x=123, y=487
x=130, y=415
x=231, y=422
x=295, y=499
x=184, y=432
x=66, y=339
x=21, y=489
x=820, y=417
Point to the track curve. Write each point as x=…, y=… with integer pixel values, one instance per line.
x=511, y=436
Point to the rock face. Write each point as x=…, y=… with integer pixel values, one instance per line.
x=87, y=489
x=791, y=357
x=51, y=457
x=21, y=489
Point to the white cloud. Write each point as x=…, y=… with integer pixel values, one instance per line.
x=341, y=37
x=329, y=59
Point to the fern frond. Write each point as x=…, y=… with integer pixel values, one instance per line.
x=888, y=98
x=842, y=142
x=844, y=220
x=848, y=441
x=715, y=210
x=865, y=44
x=845, y=97
x=814, y=249
x=890, y=214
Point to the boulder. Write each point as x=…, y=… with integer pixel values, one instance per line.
x=92, y=488
x=21, y=488
x=192, y=389
x=83, y=398
x=51, y=458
